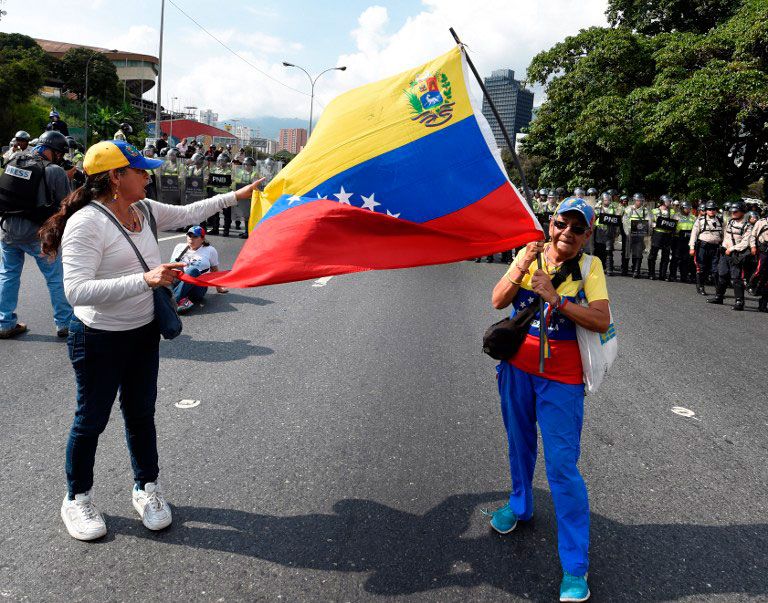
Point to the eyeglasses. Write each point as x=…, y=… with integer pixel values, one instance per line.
x=576, y=229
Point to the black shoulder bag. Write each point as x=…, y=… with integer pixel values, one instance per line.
x=166, y=314
x=503, y=339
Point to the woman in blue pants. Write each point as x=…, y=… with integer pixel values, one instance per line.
x=553, y=399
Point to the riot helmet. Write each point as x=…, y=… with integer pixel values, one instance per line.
x=54, y=140
x=752, y=216
x=665, y=199
x=638, y=197
x=685, y=205
x=22, y=135
x=592, y=192
x=222, y=158
x=249, y=161
x=126, y=128
x=710, y=205
x=624, y=200
x=543, y=192
x=727, y=206
x=613, y=192
x=606, y=198
x=738, y=206
x=579, y=192
x=173, y=154
x=71, y=142
x=198, y=159
x=561, y=191
x=53, y=114
x=163, y=151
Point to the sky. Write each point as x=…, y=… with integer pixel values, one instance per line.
x=373, y=40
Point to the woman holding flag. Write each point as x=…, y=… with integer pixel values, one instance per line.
x=554, y=399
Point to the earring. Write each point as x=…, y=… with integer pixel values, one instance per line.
x=114, y=197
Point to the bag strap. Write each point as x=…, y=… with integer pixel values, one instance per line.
x=122, y=231
x=181, y=255
x=147, y=211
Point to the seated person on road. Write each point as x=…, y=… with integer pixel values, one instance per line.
x=199, y=257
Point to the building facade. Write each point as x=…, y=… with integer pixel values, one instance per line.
x=292, y=140
x=513, y=101
x=208, y=117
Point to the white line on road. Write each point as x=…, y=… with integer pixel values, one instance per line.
x=179, y=236
x=322, y=282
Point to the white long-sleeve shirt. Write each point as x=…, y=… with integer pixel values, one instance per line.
x=103, y=278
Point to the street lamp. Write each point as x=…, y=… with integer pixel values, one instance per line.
x=87, y=64
x=312, y=82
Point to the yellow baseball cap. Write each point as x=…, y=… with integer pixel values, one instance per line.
x=113, y=154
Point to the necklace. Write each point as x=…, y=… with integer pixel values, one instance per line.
x=547, y=258
x=132, y=224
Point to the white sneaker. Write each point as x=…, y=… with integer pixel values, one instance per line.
x=151, y=506
x=82, y=518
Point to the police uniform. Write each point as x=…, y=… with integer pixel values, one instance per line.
x=705, y=240
x=213, y=221
x=635, y=222
x=736, y=237
x=242, y=211
x=758, y=241
x=661, y=239
x=681, y=259
x=605, y=234
x=175, y=168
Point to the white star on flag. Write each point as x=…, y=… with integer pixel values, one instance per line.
x=369, y=203
x=389, y=213
x=293, y=198
x=322, y=198
x=343, y=196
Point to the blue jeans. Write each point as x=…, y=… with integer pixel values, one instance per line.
x=11, y=264
x=194, y=292
x=559, y=410
x=105, y=363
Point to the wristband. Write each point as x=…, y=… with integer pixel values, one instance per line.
x=517, y=283
x=564, y=301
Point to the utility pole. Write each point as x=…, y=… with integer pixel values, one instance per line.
x=159, y=70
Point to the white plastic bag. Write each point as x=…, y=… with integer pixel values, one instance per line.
x=598, y=350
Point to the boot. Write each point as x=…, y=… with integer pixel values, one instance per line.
x=700, y=285
x=651, y=271
x=672, y=275
x=738, y=293
x=609, y=264
x=624, y=266
x=635, y=267
x=762, y=305
x=719, y=295
x=663, y=270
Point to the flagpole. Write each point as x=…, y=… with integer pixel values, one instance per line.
x=526, y=190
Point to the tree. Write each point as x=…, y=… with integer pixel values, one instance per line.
x=102, y=75
x=284, y=156
x=657, y=16
x=22, y=72
x=678, y=111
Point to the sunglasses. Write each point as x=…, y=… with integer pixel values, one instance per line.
x=576, y=229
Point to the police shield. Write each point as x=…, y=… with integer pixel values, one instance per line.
x=194, y=189
x=220, y=180
x=169, y=189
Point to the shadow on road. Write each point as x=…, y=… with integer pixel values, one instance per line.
x=219, y=304
x=185, y=347
x=407, y=553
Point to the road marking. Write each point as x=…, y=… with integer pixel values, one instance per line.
x=322, y=282
x=683, y=412
x=179, y=236
x=187, y=404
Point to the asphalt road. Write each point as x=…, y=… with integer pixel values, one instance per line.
x=348, y=436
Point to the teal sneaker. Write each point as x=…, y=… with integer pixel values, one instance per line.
x=503, y=520
x=574, y=588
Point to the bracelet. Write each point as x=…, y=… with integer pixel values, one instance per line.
x=564, y=301
x=517, y=283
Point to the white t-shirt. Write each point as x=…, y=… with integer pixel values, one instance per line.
x=103, y=278
x=202, y=258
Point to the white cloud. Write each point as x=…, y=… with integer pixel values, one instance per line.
x=138, y=38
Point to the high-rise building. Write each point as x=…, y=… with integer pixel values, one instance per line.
x=513, y=101
x=292, y=140
x=208, y=117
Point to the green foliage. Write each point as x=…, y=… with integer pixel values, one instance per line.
x=104, y=120
x=681, y=112
x=414, y=101
x=284, y=156
x=21, y=68
x=656, y=16
x=102, y=75
x=31, y=116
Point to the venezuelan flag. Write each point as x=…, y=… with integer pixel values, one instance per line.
x=398, y=173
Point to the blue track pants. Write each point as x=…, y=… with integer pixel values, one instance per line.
x=559, y=410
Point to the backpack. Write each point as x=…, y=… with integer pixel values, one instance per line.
x=20, y=185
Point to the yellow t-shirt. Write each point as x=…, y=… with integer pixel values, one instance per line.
x=564, y=365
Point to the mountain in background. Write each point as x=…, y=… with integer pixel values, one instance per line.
x=269, y=126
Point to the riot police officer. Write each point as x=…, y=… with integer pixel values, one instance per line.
x=758, y=243
x=680, y=257
x=704, y=243
x=664, y=227
x=242, y=211
x=19, y=144
x=607, y=227
x=636, y=223
x=174, y=166
x=221, y=168
x=735, y=247
x=123, y=131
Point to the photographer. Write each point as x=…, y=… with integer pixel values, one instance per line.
x=31, y=189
